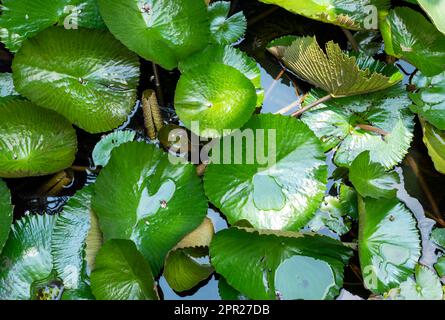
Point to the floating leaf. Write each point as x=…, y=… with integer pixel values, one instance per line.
x=370, y=179
x=276, y=180
x=6, y=211
x=200, y=237
x=122, y=273
x=426, y=287
x=278, y=46
x=164, y=32
x=143, y=197
x=85, y=75
x=227, y=292
x=429, y=100
x=214, y=100
x=337, y=124
x=349, y=201
x=355, y=15
x=438, y=236
x=434, y=140
x=331, y=216
x=410, y=36
x=440, y=266
x=280, y=265
x=22, y=19
x=435, y=10
x=7, y=85
x=48, y=144
x=389, y=243
x=26, y=258
x=102, y=150
x=335, y=71
x=225, y=29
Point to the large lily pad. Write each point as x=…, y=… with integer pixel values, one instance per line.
x=141, y=196
x=122, y=273
x=389, y=243
x=26, y=258
x=6, y=211
x=164, y=32
x=225, y=29
x=434, y=140
x=337, y=124
x=410, y=36
x=335, y=71
x=22, y=19
x=282, y=265
x=429, y=100
x=85, y=75
x=216, y=98
x=48, y=144
x=276, y=180
x=355, y=15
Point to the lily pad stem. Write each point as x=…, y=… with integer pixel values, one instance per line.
x=158, y=85
x=298, y=113
x=351, y=39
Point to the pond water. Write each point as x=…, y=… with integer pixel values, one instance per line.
x=421, y=187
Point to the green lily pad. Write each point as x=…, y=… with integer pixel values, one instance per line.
x=331, y=216
x=426, y=287
x=227, y=292
x=122, y=273
x=164, y=32
x=6, y=213
x=389, y=243
x=280, y=185
x=7, y=85
x=282, y=265
x=429, y=100
x=214, y=100
x=22, y=19
x=370, y=179
x=434, y=140
x=85, y=75
x=335, y=71
x=438, y=236
x=355, y=15
x=278, y=46
x=336, y=123
x=225, y=29
x=439, y=266
x=48, y=144
x=410, y=36
x=26, y=258
x=102, y=150
x=141, y=196
x=349, y=201
x=435, y=10
x=230, y=56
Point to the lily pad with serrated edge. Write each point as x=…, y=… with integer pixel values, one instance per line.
x=48, y=144
x=280, y=186
x=6, y=213
x=272, y=257
x=122, y=273
x=85, y=75
x=22, y=19
x=214, y=100
x=388, y=243
x=141, y=196
x=427, y=286
x=164, y=32
x=102, y=150
x=225, y=29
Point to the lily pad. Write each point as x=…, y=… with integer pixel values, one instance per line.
x=7, y=85
x=389, y=243
x=434, y=140
x=426, y=287
x=48, y=144
x=332, y=216
x=438, y=236
x=102, y=150
x=337, y=124
x=26, y=258
x=370, y=179
x=335, y=71
x=429, y=100
x=6, y=211
x=440, y=266
x=282, y=265
x=141, y=196
x=410, y=36
x=22, y=19
x=276, y=180
x=214, y=100
x=225, y=29
x=227, y=292
x=435, y=10
x=164, y=32
x=85, y=75
x=355, y=15
x=122, y=273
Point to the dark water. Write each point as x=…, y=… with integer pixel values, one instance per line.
x=421, y=189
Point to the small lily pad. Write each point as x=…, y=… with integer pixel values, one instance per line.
x=102, y=150
x=225, y=29
x=439, y=266
x=426, y=287
x=48, y=144
x=280, y=186
x=215, y=99
x=331, y=215
x=6, y=211
x=434, y=140
x=438, y=236
x=85, y=75
x=141, y=196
